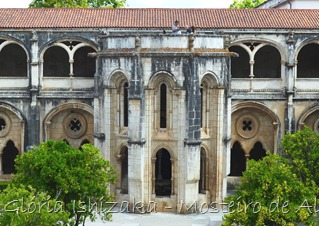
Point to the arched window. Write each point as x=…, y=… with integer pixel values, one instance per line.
x=237, y=160
x=240, y=65
x=124, y=170
x=203, y=175
x=9, y=153
x=84, y=66
x=163, y=173
x=202, y=106
x=13, y=61
x=68, y=58
x=125, y=104
x=163, y=106
x=267, y=63
x=308, y=66
x=258, y=152
x=56, y=62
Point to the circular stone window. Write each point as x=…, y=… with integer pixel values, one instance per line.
x=247, y=126
x=74, y=125
x=5, y=124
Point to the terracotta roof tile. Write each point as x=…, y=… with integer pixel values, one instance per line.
x=159, y=18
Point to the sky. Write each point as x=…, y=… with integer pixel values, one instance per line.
x=142, y=3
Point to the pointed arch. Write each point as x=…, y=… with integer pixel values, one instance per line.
x=237, y=160
x=162, y=77
x=258, y=152
x=9, y=153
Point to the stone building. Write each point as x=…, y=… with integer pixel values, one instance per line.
x=178, y=116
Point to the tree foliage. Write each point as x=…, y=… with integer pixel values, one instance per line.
x=270, y=194
x=245, y=4
x=302, y=148
x=76, y=177
x=77, y=3
x=24, y=206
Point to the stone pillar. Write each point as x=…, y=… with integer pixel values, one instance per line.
x=189, y=159
x=290, y=84
x=136, y=156
x=34, y=135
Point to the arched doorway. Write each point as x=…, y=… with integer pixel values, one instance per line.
x=9, y=153
x=237, y=160
x=163, y=173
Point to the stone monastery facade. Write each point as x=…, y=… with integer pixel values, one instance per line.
x=178, y=116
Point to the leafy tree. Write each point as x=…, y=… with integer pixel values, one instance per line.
x=302, y=148
x=78, y=178
x=270, y=194
x=24, y=206
x=77, y=3
x=245, y=4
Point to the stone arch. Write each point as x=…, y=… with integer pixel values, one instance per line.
x=155, y=164
x=310, y=118
x=117, y=77
x=58, y=47
x=211, y=79
x=258, y=151
x=253, y=50
x=20, y=131
x=307, y=59
x=14, y=59
x=252, y=122
x=119, y=87
x=162, y=77
x=163, y=173
x=74, y=115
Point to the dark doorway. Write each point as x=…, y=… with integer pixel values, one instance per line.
x=237, y=160
x=124, y=171
x=202, y=175
x=10, y=152
x=163, y=173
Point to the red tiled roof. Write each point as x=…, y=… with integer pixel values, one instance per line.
x=159, y=18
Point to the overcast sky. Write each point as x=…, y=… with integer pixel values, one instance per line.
x=142, y=3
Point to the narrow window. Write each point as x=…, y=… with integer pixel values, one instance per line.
x=203, y=171
x=202, y=106
x=125, y=107
x=124, y=171
x=163, y=105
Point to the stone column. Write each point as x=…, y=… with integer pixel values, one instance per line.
x=34, y=135
x=189, y=159
x=290, y=84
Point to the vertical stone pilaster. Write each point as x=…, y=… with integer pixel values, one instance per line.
x=136, y=154
x=34, y=122
x=290, y=84
x=191, y=155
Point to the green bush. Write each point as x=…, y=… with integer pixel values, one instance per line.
x=271, y=194
x=3, y=185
